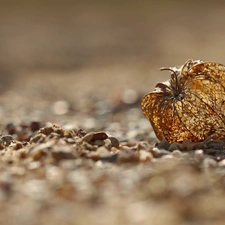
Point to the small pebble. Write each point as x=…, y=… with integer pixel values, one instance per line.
x=110, y=158
x=174, y=146
x=88, y=137
x=7, y=139
x=39, y=138
x=46, y=130
x=221, y=163
x=114, y=150
x=169, y=156
x=199, y=145
x=187, y=145
x=163, y=145
x=145, y=156
x=68, y=133
x=2, y=145
x=157, y=153
x=11, y=128
x=102, y=151
x=199, y=155
x=15, y=145
x=114, y=141
x=70, y=140
x=177, y=153
x=142, y=146
x=60, y=107
x=212, y=151
x=108, y=144
x=217, y=144
x=209, y=163
x=130, y=96
x=81, y=133
x=99, y=136
x=34, y=126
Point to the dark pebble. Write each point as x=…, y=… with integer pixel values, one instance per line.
x=174, y=146
x=63, y=155
x=11, y=128
x=211, y=151
x=199, y=145
x=187, y=145
x=81, y=133
x=99, y=136
x=163, y=144
x=110, y=158
x=217, y=144
x=34, y=126
x=114, y=141
x=7, y=139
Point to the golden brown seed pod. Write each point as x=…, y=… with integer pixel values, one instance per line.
x=190, y=105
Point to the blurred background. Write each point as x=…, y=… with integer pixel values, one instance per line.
x=97, y=57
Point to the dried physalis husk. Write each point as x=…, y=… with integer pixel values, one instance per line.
x=190, y=105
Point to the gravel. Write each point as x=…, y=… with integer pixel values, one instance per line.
x=75, y=147
x=69, y=176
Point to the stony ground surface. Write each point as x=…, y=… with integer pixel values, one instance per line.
x=75, y=147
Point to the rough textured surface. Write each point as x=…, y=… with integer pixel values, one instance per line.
x=75, y=147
